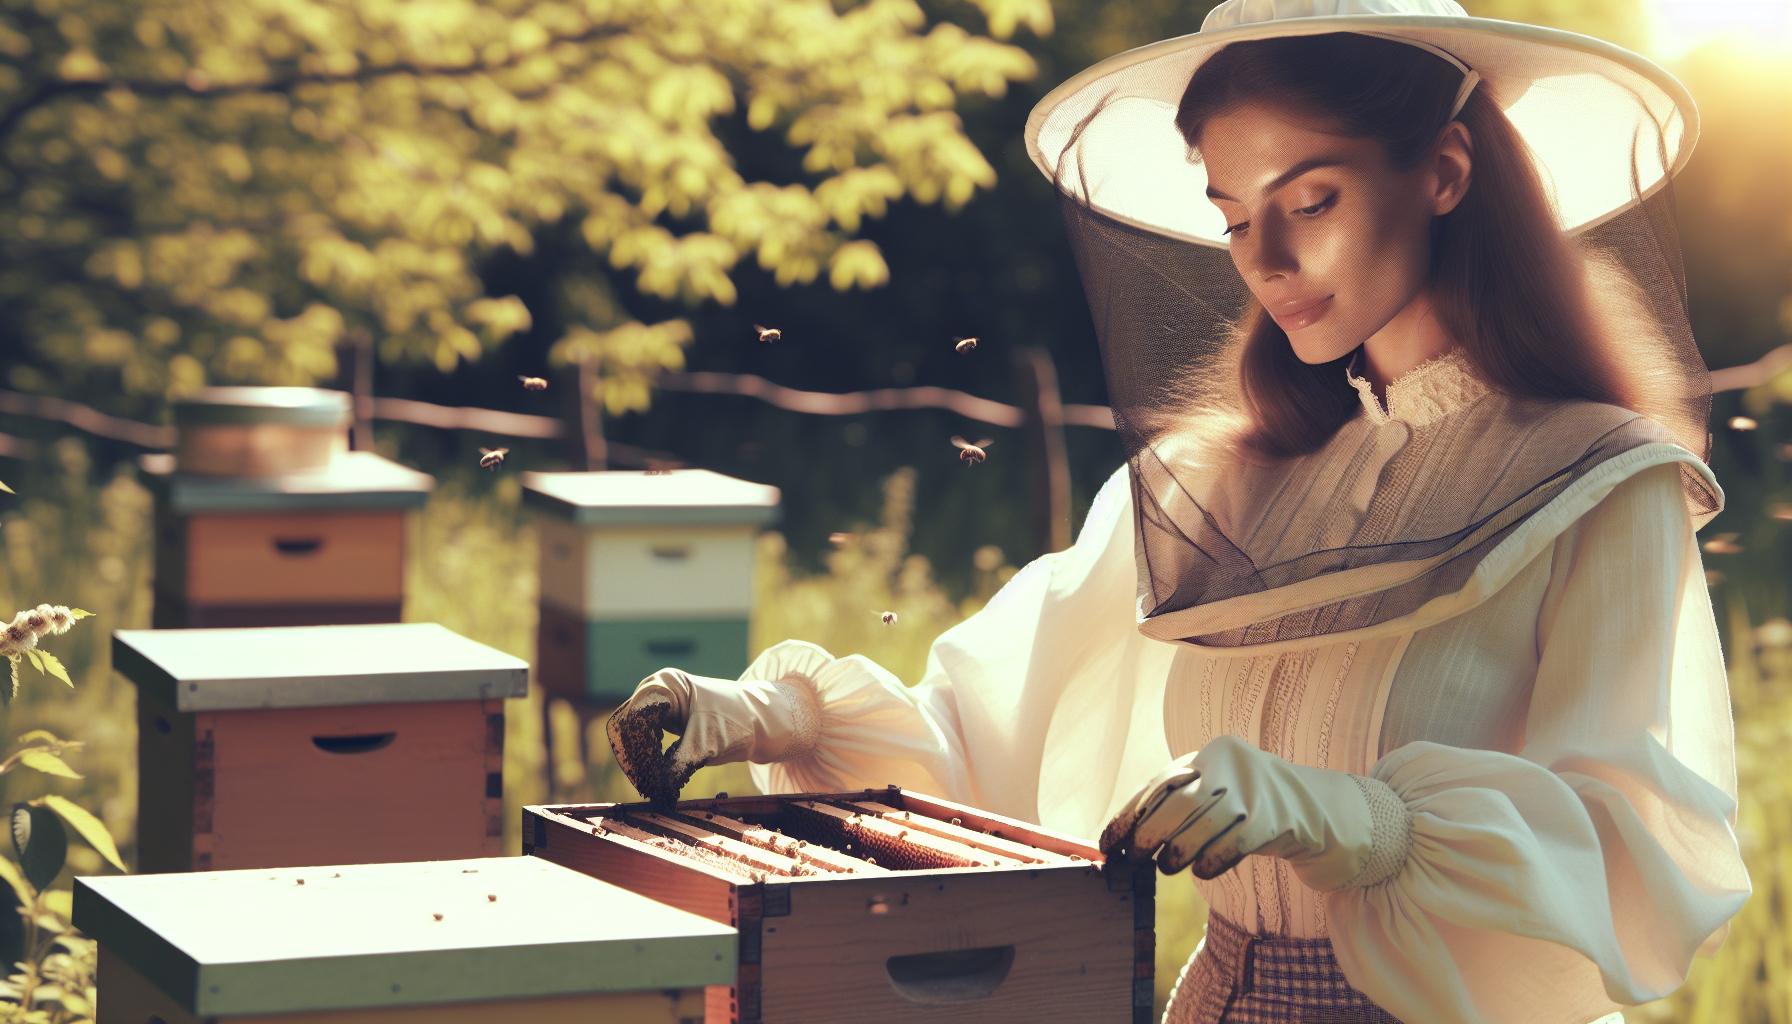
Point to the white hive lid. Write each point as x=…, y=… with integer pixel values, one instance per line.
x=684, y=497
x=314, y=666
x=359, y=936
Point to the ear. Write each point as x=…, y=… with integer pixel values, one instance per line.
x=1452, y=167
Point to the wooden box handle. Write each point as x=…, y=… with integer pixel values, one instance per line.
x=670, y=648
x=298, y=547
x=365, y=743
x=950, y=976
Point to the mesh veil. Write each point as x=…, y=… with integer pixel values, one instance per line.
x=1235, y=551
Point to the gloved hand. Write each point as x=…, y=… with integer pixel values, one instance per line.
x=717, y=721
x=1230, y=799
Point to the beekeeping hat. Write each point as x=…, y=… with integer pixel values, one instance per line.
x=1226, y=557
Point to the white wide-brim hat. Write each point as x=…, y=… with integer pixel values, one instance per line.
x=1587, y=109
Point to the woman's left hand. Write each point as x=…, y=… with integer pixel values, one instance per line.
x=1216, y=806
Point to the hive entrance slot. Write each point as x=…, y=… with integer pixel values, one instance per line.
x=362, y=744
x=298, y=545
x=951, y=976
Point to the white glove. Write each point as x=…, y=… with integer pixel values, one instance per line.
x=717, y=721
x=1230, y=799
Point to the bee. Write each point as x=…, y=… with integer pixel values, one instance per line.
x=964, y=345
x=839, y=538
x=1742, y=423
x=492, y=458
x=889, y=618
x=1782, y=510
x=660, y=467
x=533, y=383
x=767, y=335
x=971, y=454
x=1723, y=544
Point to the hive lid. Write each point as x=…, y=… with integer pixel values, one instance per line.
x=679, y=497
x=313, y=666
x=358, y=936
x=299, y=407
x=351, y=480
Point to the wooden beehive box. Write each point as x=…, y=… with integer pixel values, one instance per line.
x=640, y=571
x=449, y=941
x=264, y=518
x=290, y=745
x=881, y=906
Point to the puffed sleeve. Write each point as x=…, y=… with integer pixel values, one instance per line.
x=974, y=728
x=1584, y=872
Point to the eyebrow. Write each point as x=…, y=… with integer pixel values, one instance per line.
x=1312, y=163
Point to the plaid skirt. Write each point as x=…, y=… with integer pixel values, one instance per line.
x=1240, y=977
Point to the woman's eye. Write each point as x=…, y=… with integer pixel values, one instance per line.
x=1310, y=211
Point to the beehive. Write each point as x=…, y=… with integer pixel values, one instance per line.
x=640, y=571
x=880, y=906
x=264, y=518
x=449, y=941
x=291, y=745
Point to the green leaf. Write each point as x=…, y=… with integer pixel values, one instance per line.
x=10, y=873
x=87, y=825
x=5, y=488
x=39, y=736
x=11, y=690
x=36, y=659
x=60, y=902
x=53, y=666
x=48, y=763
x=42, y=843
x=79, y=613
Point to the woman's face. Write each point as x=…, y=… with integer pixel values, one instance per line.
x=1354, y=234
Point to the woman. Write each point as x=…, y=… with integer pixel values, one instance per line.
x=1393, y=629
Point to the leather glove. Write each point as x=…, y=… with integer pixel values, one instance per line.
x=1231, y=799
x=717, y=721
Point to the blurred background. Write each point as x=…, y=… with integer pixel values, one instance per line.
x=420, y=201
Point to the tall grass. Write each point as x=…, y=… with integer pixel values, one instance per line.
x=79, y=534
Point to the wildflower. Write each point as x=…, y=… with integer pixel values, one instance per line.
x=28, y=626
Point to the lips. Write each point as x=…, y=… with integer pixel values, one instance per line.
x=1303, y=315
x=1293, y=306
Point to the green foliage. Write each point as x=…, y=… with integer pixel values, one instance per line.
x=211, y=190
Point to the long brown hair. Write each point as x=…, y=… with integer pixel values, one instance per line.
x=1537, y=313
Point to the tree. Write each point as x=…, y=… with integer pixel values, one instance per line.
x=200, y=190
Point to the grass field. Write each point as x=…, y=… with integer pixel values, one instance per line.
x=78, y=535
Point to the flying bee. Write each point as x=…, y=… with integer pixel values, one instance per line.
x=492, y=458
x=1742, y=423
x=767, y=335
x=839, y=538
x=660, y=467
x=964, y=345
x=889, y=618
x=533, y=383
x=970, y=453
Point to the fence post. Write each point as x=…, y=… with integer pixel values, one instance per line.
x=586, y=448
x=1042, y=427
x=354, y=362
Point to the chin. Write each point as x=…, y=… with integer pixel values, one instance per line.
x=1315, y=351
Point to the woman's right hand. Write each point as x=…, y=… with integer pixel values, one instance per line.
x=717, y=721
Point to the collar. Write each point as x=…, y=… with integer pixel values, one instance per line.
x=1429, y=391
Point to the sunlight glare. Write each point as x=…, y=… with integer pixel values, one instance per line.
x=1679, y=26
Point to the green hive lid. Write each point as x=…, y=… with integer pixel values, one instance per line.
x=680, y=497
x=352, y=480
x=356, y=936
x=299, y=407
x=313, y=666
